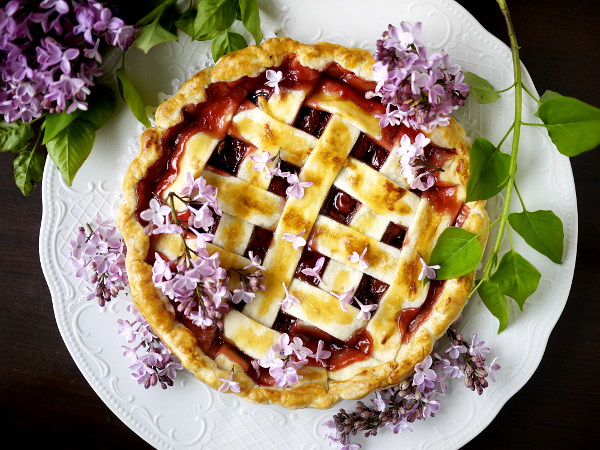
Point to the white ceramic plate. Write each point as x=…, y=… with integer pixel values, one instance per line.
x=190, y=415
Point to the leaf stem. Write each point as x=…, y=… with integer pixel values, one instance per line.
x=520, y=198
x=530, y=93
x=533, y=124
x=507, y=89
x=512, y=126
x=516, y=128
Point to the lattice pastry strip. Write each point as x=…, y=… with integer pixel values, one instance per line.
x=338, y=242
x=253, y=125
x=353, y=113
x=339, y=277
x=322, y=310
x=321, y=168
x=233, y=234
x=283, y=106
x=379, y=194
x=405, y=289
x=241, y=199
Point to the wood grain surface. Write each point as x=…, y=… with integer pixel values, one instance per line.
x=46, y=401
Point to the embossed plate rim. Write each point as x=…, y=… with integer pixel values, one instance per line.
x=133, y=405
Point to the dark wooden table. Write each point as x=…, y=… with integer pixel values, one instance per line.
x=45, y=399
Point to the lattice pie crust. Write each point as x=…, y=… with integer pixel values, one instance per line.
x=381, y=213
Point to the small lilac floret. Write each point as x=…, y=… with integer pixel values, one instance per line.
x=424, y=377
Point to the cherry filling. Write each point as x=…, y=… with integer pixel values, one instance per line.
x=369, y=152
x=264, y=92
x=444, y=199
x=340, y=206
x=394, y=235
x=259, y=242
x=228, y=155
x=308, y=260
x=410, y=319
x=312, y=121
x=343, y=353
x=279, y=185
x=370, y=290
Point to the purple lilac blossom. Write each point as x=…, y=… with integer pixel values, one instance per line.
x=417, y=397
x=98, y=257
x=49, y=54
x=153, y=364
x=195, y=281
x=419, y=88
x=285, y=358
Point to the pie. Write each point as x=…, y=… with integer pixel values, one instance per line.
x=357, y=221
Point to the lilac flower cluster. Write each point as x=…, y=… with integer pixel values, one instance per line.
x=463, y=360
x=98, y=257
x=416, y=398
x=155, y=364
x=50, y=53
x=417, y=170
x=271, y=166
x=286, y=357
x=419, y=89
x=195, y=280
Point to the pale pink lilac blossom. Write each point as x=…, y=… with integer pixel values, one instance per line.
x=296, y=239
x=229, y=385
x=284, y=359
x=415, y=168
x=296, y=187
x=345, y=298
x=289, y=299
x=274, y=77
x=321, y=354
x=315, y=271
x=365, y=310
x=427, y=271
x=360, y=259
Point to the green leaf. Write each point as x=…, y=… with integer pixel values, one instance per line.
x=516, y=277
x=227, y=42
x=489, y=169
x=542, y=230
x=573, y=126
x=185, y=23
x=101, y=106
x=496, y=302
x=132, y=97
x=457, y=252
x=251, y=18
x=28, y=168
x=71, y=147
x=15, y=136
x=213, y=16
x=481, y=89
x=57, y=122
x=152, y=35
x=155, y=9
x=548, y=95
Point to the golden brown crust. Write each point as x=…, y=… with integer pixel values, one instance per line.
x=316, y=389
